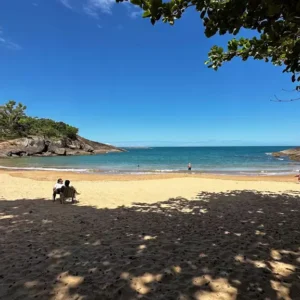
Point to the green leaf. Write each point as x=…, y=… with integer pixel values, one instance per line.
x=220, y=50
x=136, y=2
x=155, y=5
x=147, y=14
x=273, y=9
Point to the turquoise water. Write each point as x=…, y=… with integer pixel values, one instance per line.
x=220, y=160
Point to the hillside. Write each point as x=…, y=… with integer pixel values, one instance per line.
x=22, y=135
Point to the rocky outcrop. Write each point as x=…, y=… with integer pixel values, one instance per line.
x=293, y=154
x=40, y=146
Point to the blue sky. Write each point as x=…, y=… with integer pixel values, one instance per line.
x=101, y=67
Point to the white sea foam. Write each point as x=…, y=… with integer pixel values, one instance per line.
x=158, y=171
x=43, y=169
x=278, y=173
x=167, y=170
x=140, y=173
x=267, y=173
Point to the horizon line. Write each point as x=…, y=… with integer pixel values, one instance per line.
x=197, y=146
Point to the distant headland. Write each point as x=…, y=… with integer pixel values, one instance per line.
x=21, y=135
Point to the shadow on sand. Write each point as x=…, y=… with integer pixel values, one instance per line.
x=237, y=245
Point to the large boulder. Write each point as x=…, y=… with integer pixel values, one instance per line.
x=293, y=154
x=40, y=146
x=71, y=152
x=35, y=145
x=59, y=151
x=277, y=154
x=55, y=144
x=23, y=146
x=88, y=148
x=294, y=157
x=72, y=144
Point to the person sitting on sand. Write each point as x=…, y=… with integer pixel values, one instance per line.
x=57, y=188
x=67, y=185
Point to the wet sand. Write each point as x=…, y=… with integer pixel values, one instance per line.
x=53, y=175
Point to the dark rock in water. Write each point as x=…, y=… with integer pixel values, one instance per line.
x=295, y=157
x=277, y=154
x=293, y=154
x=40, y=146
x=79, y=152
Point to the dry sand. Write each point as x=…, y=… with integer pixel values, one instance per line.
x=168, y=236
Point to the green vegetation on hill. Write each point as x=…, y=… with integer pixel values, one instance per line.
x=14, y=123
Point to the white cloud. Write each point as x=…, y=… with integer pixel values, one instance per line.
x=93, y=7
x=4, y=42
x=135, y=14
x=99, y=26
x=66, y=3
x=90, y=11
x=133, y=11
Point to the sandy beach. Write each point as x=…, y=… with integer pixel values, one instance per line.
x=167, y=236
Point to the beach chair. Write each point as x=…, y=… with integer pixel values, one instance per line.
x=66, y=193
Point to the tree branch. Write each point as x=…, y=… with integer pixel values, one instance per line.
x=290, y=91
x=280, y=100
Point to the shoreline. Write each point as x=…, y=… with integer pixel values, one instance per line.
x=52, y=175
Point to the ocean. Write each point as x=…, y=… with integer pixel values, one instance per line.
x=216, y=160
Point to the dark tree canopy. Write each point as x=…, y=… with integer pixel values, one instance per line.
x=277, y=23
x=14, y=123
x=10, y=116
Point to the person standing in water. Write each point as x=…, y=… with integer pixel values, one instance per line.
x=298, y=177
x=190, y=167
